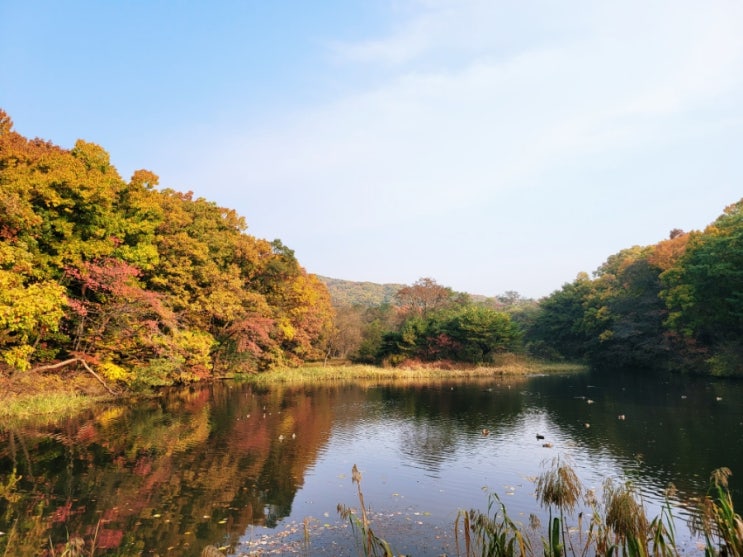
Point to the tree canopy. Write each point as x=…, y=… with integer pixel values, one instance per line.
x=677, y=305
x=152, y=285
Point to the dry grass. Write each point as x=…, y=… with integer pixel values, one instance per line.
x=411, y=371
x=41, y=397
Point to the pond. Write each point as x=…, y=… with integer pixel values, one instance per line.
x=262, y=470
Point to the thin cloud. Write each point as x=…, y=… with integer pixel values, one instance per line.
x=459, y=123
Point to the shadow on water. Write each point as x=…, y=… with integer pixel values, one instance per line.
x=216, y=464
x=667, y=428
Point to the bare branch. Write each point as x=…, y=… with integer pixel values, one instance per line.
x=84, y=364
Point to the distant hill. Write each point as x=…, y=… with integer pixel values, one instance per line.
x=349, y=293
x=370, y=294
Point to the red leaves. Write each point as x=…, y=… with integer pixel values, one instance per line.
x=252, y=334
x=104, y=275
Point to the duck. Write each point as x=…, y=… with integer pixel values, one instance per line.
x=485, y=432
x=539, y=437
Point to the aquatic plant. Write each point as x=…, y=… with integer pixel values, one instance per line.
x=494, y=532
x=618, y=524
x=717, y=520
x=558, y=488
x=372, y=544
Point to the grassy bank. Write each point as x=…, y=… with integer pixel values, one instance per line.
x=44, y=397
x=508, y=366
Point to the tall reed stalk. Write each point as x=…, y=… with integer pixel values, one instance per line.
x=558, y=488
x=494, y=532
x=373, y=545
x=717, y=520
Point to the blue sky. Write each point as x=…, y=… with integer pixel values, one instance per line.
x=490, y=145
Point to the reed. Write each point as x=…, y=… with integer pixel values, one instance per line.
x=558, y=488
x=618, y=525
x=373, y=545
x=626, y=520
x=494, y=532
x=717, y=521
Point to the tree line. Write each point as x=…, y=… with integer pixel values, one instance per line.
x=145, y=285
x=675, y=305
x=153, y=286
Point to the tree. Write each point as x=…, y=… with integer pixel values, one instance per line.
x=423, y=297
x=624, y=313
x=29, y=309
x=125, y=275
x=703, y=291
x=558, y=330
x=479, y=333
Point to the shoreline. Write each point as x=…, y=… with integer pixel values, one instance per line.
x=39, y=396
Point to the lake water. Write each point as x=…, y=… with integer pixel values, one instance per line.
x=251, y=470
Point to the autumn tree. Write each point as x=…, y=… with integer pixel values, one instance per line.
x=423, y=296
x=150, y=284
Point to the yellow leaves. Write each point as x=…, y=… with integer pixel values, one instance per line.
x=606, y=335
x=92, y=155
x=25, y=310
x=18, y=357
x=286, y=329
x=196, y=347
x=144, y=179
x=115, y=373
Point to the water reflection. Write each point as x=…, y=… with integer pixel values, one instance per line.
x=221, y=464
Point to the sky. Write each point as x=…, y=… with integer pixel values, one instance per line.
x=490, y=145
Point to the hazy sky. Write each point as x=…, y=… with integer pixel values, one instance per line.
x=489, y=145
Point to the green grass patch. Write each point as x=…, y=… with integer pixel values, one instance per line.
x=43, y=408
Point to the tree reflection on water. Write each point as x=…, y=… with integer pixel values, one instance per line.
x=195, y=466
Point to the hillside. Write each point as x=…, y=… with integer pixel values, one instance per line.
x=350, y=293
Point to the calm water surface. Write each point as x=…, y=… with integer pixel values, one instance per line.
x=249, y=469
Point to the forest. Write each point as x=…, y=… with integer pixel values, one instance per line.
x=676, y=305
x=146, y=286
x=150, y=286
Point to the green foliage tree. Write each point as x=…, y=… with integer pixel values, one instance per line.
x=479, y=333
x=704, y=294
x=624, y=314
x=558, y=331
x=472, y=334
